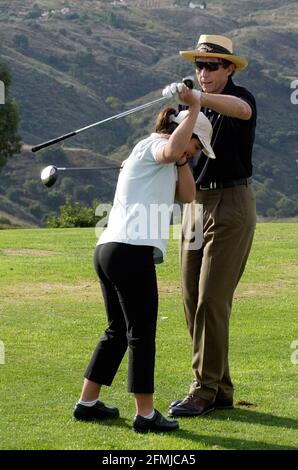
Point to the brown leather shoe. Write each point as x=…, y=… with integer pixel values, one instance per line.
x=192, y=406
x=223, y=403
x=219, y=404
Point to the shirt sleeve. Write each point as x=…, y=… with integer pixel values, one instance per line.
x=156, y=145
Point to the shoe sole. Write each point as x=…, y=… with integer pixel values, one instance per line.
x=216, y=407
x=94, y=418
x=191, y=415
x=145, y=431
x=223, y=407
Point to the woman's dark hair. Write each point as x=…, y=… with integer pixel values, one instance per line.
x=163, y=124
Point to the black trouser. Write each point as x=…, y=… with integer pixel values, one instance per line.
x=128, y=281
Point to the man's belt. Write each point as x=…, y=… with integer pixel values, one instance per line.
x=227, y=183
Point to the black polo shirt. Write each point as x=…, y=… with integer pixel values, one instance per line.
x=232, y=142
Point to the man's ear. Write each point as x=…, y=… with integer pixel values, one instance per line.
x=231, y=69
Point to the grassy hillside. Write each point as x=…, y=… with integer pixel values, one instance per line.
x=74, y=63
x=52, y=315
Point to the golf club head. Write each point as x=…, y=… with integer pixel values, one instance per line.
x=49, y=175
x=189, y=81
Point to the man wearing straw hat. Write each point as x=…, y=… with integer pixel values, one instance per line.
x=226, y=204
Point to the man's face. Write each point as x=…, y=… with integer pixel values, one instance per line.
x=213, y=81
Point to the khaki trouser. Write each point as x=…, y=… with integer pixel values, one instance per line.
x=210, y=275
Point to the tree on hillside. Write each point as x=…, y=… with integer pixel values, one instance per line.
x=20, y=42
x=10, y=142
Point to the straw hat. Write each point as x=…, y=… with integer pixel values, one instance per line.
x=203, y=129
x=210, y=45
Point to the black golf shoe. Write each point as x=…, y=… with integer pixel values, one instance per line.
x=157, y=424
x=98, y=411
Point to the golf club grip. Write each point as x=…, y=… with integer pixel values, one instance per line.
x=38, y=147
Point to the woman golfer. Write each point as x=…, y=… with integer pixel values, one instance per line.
x=155, y=173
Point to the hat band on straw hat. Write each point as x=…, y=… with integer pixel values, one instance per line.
x=212, y=48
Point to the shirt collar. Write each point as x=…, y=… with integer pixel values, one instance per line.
x=230, y=86
x=156, y=135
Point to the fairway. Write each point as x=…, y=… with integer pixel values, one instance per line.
x=51, y=316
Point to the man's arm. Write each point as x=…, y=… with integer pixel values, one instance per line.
x=227, y=105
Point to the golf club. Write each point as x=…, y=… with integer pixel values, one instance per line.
x=50, y=173
x=36, y=148
x=187, y=80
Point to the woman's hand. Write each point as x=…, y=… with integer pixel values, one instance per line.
x=182, y=161
x=189, y=97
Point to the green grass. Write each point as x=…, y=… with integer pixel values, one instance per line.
x=52, y=315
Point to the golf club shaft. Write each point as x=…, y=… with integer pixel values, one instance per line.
x=38, y=147
x=89, y=168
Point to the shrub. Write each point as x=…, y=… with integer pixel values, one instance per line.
x=4, y=221
x=113, y=102
x=72, y=16
x=14, y=194
x=88, y=30
x=20, y=41
x=73, y=215
x=35, y=12
x=52, y=156
x=84, y=58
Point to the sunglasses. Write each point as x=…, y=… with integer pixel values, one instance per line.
x=210, y=66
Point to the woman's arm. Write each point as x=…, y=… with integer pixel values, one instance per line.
x=185, y=187
x=178, y=141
